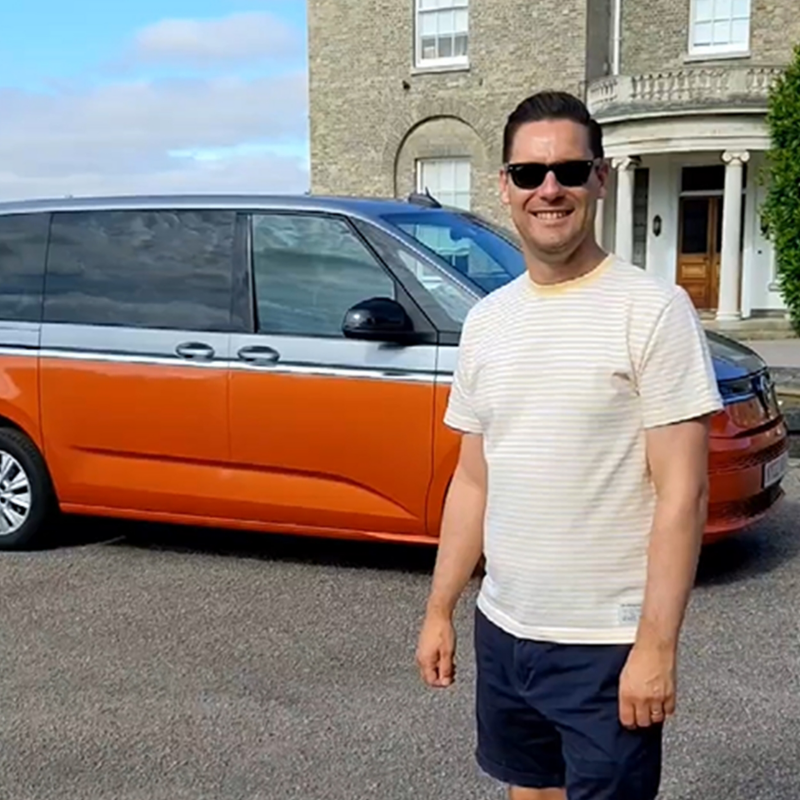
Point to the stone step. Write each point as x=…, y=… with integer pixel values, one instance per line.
x=754, y=328
x=765, y=320
x=791, y=413
x=792, y=417
x=760, y=335
x=786, y=378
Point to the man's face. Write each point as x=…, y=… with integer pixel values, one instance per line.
x=555, y=217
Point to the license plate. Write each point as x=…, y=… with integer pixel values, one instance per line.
x=776, y=469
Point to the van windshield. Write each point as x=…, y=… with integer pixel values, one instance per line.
x=476, y=249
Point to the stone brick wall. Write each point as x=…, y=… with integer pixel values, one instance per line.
x=362, y=51
x=775, y=30
x=656, y=34
x=373, y=114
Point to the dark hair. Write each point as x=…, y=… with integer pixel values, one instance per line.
x=552, y=105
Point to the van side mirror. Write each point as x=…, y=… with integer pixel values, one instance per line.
x=379, y=319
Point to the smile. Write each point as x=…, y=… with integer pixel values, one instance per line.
x=552, y=215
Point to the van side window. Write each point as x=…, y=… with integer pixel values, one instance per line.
x=23, y=244
x=141, y=269
x=452, y=298
x=309, y=269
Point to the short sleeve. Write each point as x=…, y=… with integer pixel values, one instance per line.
x=676, y=378
x=460, y=413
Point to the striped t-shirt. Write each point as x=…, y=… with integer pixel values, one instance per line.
x=562, y=382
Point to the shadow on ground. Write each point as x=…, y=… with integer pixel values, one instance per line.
x=236, y=544
x=757, y=551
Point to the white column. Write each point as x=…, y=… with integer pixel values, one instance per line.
x=598, y=221
x=731, y=255
x=625, y=167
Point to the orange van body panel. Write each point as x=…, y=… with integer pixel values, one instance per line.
x=338, y=457
x=447, y=445
x=19, y=394
x=743, y=440
x=329, y=452
x=135, y=436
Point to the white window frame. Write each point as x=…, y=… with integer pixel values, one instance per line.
x=712, y=50
x=421, y=10
x=446, y=199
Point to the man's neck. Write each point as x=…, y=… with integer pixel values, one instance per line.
x=585, y=259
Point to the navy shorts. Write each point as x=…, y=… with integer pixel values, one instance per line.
x=548, y=717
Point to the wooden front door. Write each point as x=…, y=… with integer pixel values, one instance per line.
x=699, y=246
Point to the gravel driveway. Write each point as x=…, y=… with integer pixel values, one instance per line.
x=180, y=664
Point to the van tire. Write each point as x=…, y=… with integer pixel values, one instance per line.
x=19, y=453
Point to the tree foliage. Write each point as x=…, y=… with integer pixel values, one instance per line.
x=781, y=211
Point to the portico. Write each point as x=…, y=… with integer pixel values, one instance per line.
x=684, y=191
x=689, y=211
x=710, y=230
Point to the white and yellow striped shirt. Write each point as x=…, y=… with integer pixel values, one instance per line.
x=562, y=382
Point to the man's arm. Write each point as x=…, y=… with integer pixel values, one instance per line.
x=677, y=456
x=460, y=548
x=679, y=395
x=461, y=535
x=678, y=459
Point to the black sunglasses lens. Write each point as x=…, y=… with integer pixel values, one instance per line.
x=567, y=173
x=528, y=176
x=573, y=173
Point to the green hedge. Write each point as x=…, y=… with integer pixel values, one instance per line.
x=781, y=211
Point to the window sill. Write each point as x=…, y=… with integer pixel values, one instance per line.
x=716, y=55
x=440, y=66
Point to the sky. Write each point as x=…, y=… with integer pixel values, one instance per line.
x=157, y=96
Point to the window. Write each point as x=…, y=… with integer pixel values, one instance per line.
x=442, y=33
x=720, y=26
x=707, y=179
x=23, y=244
x=309, y=270
x=154, y=269
x=482, y=256
x=448, y=180
x=641, y=195
x=452, y=298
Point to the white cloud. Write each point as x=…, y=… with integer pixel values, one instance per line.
x=263, y=174
x=245, y=37
x=223, y=133
x=137, y=124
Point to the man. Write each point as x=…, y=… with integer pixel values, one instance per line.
x=583, y=391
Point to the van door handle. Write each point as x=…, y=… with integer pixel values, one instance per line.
x=196, y=351
x=259, y=355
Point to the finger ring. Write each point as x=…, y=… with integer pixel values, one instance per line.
x=656, y=712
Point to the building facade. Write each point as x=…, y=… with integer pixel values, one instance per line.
x=412, y=94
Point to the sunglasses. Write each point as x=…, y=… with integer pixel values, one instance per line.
x=568, y=173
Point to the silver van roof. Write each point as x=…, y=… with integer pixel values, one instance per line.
x=345, y=204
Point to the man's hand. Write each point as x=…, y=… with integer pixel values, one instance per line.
x=647, y=687
x=436, y=651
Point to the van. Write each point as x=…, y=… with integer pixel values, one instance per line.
x=275, y=364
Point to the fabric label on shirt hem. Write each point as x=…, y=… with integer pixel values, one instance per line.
x=629, y=613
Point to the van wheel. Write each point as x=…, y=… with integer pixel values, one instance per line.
x=26, y=492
